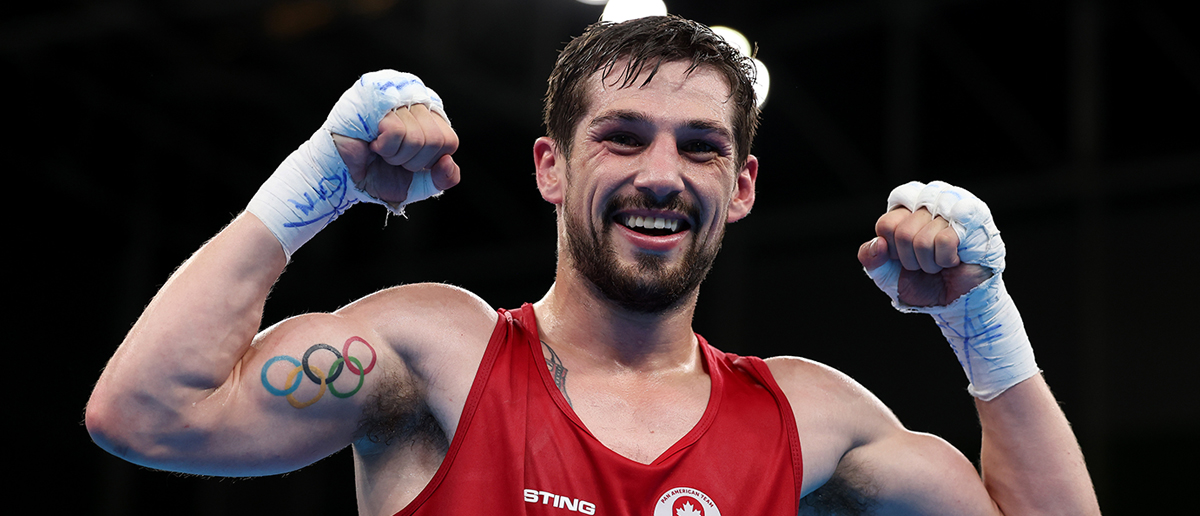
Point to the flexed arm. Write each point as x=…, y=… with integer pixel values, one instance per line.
x=193, y=389
x=939, y=252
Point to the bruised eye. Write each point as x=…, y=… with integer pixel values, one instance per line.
x=624, y=140
x=699, y=147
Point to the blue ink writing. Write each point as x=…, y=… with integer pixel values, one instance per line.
x=972, y=337
x=331, y=189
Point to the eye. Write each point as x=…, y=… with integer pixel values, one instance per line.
x=699, y=147
x=624, y=140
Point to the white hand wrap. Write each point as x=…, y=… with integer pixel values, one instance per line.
x=313, y=186
x=983, y=326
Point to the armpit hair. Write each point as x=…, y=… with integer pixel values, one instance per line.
x=849, y=492
x=398, y=413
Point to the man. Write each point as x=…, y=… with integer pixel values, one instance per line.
x=599, y=398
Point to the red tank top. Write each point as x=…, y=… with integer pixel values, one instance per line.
x=520, y=449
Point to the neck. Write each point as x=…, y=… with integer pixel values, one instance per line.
x=574, y=314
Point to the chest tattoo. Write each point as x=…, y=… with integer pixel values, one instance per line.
x=557, y=371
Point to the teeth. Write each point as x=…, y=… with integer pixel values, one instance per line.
x=651, y=222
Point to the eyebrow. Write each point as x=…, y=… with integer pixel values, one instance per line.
x=709, y=126
x=623, y=115
x=630, y=116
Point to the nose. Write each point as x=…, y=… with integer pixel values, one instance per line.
x=660, y=170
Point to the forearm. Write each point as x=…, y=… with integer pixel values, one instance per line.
x=1031, y=461
x=191, y=336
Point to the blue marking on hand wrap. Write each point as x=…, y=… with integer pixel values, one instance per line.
x=398, y=85
x=366, y=127
x=333, y=190
x=970, y=337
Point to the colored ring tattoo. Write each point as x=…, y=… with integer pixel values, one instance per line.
x=287, y=390
x=323, y=379
x=333, y=390
x=312, y=375
x=301, y=404
x=346, y=351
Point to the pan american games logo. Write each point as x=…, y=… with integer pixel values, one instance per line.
x=685, y=501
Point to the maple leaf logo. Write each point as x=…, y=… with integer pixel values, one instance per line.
x=687, y=510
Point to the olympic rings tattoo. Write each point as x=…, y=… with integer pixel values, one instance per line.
x=323, y=379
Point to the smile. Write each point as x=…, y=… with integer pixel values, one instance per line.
x=652, y=226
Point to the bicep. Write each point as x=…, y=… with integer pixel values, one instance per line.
x=315, y=383
x=294, y=398
x=914, y=473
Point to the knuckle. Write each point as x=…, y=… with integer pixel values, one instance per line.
x=402, y=116
x=435, y=140
x=924, y=240
x=416, y=139
x=385, y=144
x=947, y=239
x=451, y=141
x=886, y=224
x=391, y=123
x=882, y=227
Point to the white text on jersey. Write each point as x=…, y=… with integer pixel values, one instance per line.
x=559, y=501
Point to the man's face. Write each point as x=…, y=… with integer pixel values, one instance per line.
x=650, y=184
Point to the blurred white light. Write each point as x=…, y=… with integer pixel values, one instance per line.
x=617, y=11
x=622, y=10
x=734, y=38
x=762, y=83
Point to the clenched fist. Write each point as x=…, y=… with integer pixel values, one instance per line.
x=411, y=139
x=932, y=274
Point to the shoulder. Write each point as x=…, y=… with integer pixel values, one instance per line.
x=818, y=385
x=409, y=314
x=439, y=331
x=834, y=414
x=421, y=297
x=800, y=372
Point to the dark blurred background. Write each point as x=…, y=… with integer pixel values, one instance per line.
x=147, y=126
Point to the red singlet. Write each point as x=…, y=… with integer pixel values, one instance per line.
x=520, y=449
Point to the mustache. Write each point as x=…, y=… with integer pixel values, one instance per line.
x=647, y=201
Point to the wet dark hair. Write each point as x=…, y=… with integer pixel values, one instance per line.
x=645, y=44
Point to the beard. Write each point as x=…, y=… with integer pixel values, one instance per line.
x=650, y=286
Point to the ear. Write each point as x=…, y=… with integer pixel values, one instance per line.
x=550, y=169
x=743, y=194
